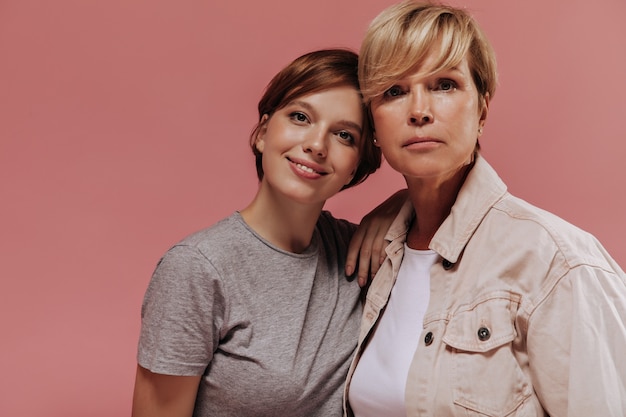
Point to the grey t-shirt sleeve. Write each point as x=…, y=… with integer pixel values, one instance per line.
x=336, y=233
x=341, y=227
x=181, y=315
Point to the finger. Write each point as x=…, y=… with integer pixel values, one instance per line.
x=353, y=250
x=367, y=254
x=364, y=266
x=378, y=252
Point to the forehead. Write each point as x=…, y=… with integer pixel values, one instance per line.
x=433, y=64
x=341, y=103
x=438, y=57
x=442, y=54
x=346, y=94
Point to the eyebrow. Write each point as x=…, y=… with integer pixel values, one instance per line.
x=349, y=124
x=345, y=123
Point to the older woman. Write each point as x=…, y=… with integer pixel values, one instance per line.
x=485, y=305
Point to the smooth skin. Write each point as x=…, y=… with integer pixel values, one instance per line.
x=310, y=151
x=158, y=395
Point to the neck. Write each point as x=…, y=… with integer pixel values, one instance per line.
x=432, y=201
x=286, y=224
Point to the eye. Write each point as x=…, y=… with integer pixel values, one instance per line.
x=298, y=117
x=394, y=91
x=346, y=136
x=445, y=85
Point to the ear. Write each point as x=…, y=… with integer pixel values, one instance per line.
x=485, y=110
x=259, y=140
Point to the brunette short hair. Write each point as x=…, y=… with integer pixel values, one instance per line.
x=312, y=73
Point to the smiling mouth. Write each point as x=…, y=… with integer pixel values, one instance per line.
x=306, y=168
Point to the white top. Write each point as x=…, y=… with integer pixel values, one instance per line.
x=378, y=385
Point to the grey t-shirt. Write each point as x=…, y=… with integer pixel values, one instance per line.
x=271, y=332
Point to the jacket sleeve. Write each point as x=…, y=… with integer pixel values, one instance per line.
x=577, y=344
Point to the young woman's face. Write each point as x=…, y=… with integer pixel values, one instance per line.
x=426, y=124
x=310, y=146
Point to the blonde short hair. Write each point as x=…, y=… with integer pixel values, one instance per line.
x=402, y=36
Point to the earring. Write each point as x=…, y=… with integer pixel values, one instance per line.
x=480, y=130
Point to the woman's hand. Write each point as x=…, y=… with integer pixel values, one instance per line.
x=368, y=243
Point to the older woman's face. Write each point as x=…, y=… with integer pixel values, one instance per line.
x=427, y=124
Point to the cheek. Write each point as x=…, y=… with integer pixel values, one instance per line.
x=279, y=137
x=472, y=112
x=346, y=159
x=464, y=119
x=384, y=119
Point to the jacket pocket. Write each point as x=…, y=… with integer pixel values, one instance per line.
x=486, y=377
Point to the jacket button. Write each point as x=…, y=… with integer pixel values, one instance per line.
x=428, y=339
x=447, y=264
x=484, y=334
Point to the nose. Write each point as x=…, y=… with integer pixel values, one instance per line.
x=419, y=110
x=315, y=143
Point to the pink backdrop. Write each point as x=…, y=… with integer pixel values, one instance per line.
x=124, y=125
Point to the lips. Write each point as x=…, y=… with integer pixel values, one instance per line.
x=418, y=140
x=307, y=167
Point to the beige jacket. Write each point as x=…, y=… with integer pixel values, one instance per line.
x=527, y=313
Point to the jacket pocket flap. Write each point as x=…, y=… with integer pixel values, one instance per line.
x=482, y=326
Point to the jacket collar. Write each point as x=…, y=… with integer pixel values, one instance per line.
x=480, y=191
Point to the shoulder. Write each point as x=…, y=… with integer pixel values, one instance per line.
x=216, y=233
x=530, y=225
x=222, y=237
x=329, y=226
x=207, y=247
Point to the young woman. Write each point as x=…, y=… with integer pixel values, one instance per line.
x=254, y=316
x=486, y=305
